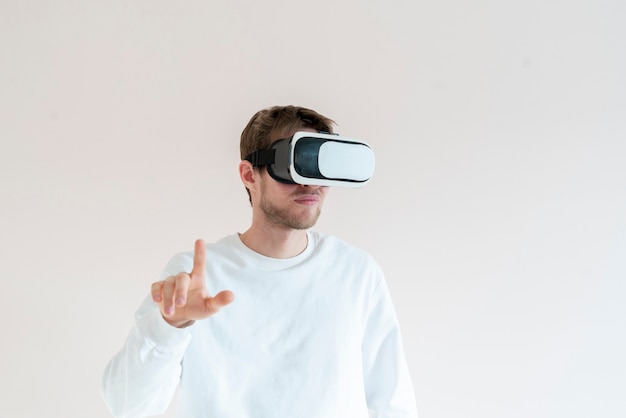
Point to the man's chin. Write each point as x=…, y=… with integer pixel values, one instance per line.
x=300, y=219
x=301, y=223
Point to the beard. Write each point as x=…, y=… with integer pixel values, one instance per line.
x=287, y=218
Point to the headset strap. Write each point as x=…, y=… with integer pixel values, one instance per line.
x=260, y=157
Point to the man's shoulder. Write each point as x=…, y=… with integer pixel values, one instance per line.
x=340, y=247
x=322, y=239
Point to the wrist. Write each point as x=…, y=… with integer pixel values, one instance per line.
x=183, y=323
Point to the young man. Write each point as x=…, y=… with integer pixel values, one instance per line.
x=302, y=324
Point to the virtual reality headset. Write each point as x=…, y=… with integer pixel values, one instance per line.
x=320, y=159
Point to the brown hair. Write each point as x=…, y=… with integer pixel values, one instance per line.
x=278, y=122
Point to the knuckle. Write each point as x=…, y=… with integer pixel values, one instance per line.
x=156, y=289
x=182, y=279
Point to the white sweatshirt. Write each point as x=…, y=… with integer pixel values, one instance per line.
x=315, y=335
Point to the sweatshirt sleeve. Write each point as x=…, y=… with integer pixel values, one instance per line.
x=140, y=380
x=388, y=387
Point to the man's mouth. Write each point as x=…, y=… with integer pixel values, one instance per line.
x=307, y=199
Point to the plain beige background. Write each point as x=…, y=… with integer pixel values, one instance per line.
x=497, y=210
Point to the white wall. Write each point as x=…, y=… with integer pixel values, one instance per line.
x=498, y=208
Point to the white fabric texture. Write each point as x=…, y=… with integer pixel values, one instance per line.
x=315, y=335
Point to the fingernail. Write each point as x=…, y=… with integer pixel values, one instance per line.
x=180, y=301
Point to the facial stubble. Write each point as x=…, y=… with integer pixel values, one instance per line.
x=285, y=217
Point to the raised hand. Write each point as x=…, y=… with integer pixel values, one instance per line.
x=184, y=297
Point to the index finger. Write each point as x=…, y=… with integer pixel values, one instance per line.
x=199, y=259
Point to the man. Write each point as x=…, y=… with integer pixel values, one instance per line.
x=302, y=324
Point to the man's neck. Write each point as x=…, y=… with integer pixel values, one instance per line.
x=275, y=242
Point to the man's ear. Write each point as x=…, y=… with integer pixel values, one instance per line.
x=248, y=175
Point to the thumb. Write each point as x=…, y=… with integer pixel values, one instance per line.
x=220, y=300
x=224, y=298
